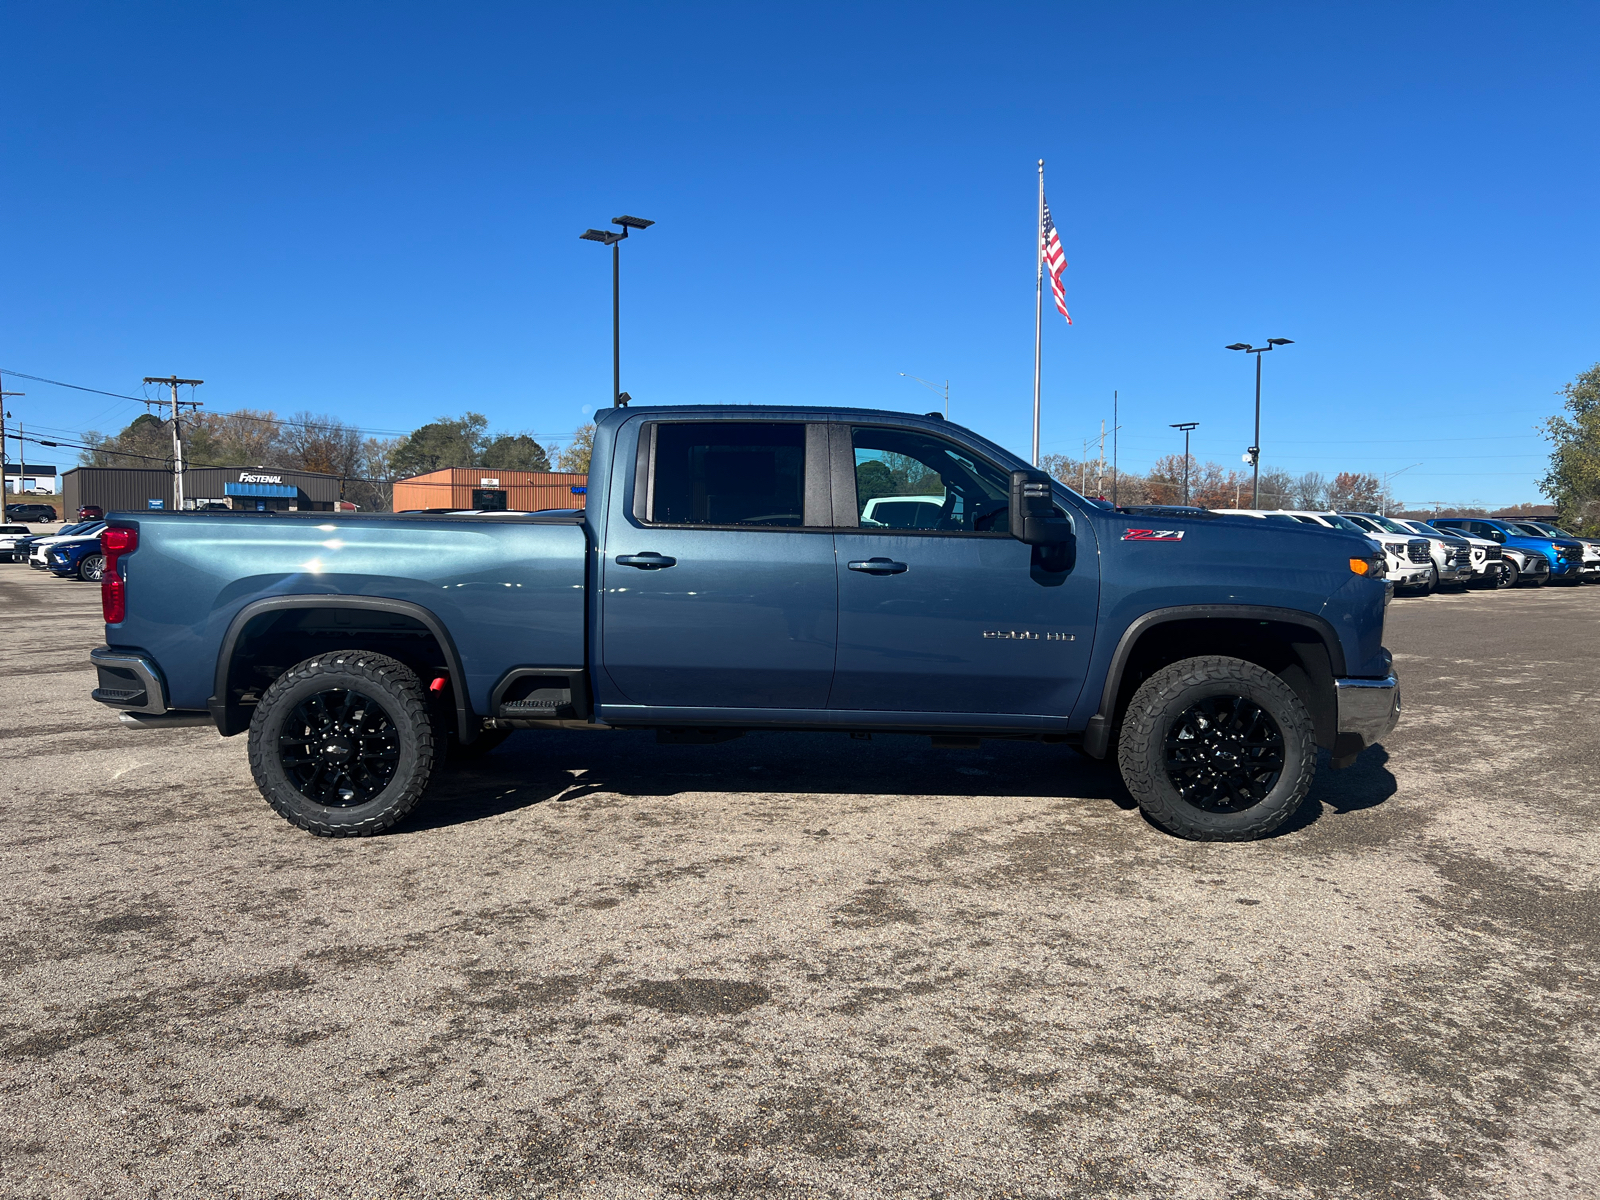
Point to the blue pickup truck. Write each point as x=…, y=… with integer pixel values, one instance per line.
x=725, y=577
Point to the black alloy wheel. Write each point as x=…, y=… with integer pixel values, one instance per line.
x=339, y=748
x=1509, y=574
x=1217, y=749
x=1224, y=754
x=342, y=744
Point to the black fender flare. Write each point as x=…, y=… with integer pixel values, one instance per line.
x=1097, y=734
x=227, y=721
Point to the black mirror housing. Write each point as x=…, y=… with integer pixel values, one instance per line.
x=1034, y=521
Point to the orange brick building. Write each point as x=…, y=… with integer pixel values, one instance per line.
x=489, y=487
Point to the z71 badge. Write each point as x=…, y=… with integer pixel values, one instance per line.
x=1153, y=535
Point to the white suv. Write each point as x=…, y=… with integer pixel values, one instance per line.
x=1483, y=557
x=1452, y=560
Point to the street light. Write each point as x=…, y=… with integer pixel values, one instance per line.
x=1188, y=427
x=934, y=388
x=606, y=238
x=1254, y=451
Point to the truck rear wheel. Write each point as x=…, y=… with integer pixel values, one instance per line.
x=341, y=744
x=1217, y=749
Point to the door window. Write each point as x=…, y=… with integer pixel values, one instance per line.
x=728, y=473
x=915, y=481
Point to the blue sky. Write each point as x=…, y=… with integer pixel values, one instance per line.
x=372, y=210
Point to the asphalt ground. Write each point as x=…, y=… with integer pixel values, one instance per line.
x=797, y=965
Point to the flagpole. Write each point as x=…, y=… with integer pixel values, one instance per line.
x=1038, y=311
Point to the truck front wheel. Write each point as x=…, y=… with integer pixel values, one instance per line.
x=1217, y=749
x=341, y=744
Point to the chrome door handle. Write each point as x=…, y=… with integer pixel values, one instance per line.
x=877, y=566
x=648, y=561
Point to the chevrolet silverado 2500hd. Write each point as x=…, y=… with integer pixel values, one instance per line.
x=722, y=579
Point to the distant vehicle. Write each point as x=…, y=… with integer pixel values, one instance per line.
x=1262, y=513
x=38, y=554
x=904, y=512
x=1563, y=559
x=1456, y=558
x=76, y=558
x=1591, y=546
x=212, y=506
x=10, y=535
x=30, y=512
x=1448, y=562
x=91, y=512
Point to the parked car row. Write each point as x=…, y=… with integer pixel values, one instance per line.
x=72, y=552
x=1492, y=552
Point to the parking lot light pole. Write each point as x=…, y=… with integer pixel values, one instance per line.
x=1188, y=427
x=1254, y=450
x=606, y=238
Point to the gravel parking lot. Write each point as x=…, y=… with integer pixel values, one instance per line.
x=791, y=965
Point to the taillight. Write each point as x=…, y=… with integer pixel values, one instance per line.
x=114, y=543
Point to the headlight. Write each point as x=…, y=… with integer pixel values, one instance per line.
x=1372, y=566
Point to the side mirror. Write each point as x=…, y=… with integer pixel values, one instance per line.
x=1033, y=514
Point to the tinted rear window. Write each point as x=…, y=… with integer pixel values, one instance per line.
x=729, y=473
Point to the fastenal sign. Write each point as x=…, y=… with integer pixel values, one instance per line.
x=250, y=477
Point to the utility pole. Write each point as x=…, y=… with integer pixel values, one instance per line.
x=20, y=454
x=1100, y=477
x=175, y=383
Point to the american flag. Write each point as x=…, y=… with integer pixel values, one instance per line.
x=1055, y=261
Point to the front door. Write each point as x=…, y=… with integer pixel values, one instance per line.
x=940, y=608
x=719, y=581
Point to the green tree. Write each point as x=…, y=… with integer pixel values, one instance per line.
x=515, y=452
x=447, y=442
x=145, y=442
x=1573, y=480
x=575, y=458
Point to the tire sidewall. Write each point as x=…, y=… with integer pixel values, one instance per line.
x=1164, y=703
x=88, y=573
x=376, y=676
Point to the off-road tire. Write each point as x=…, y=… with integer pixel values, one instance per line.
x=1159, y=703
x=90, y=568
x=395, y=687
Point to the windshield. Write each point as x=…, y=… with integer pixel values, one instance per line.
x=1391, y=525
x=1344, y=523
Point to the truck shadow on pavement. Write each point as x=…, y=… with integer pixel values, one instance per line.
x=534, y=768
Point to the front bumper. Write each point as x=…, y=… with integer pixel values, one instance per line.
x=1368, y=710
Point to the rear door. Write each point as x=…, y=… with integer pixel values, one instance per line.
x=719, y=587
x=949, y=615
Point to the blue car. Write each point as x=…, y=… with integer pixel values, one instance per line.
x=76, y=558
x=1564, y=555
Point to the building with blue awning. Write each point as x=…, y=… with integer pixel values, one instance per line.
x=246, y=489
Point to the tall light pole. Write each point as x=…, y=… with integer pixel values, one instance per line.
x=1254, y=450
x=606, y=238
x=1188, y=427
x=934, y=388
